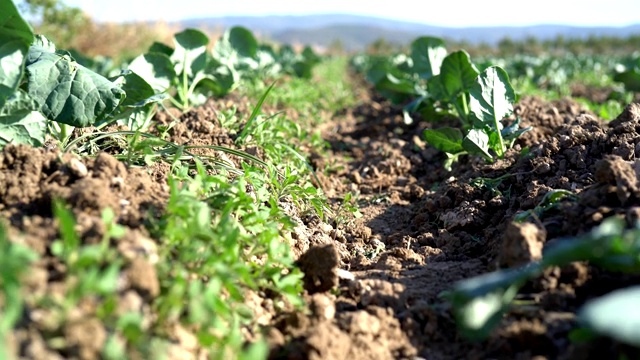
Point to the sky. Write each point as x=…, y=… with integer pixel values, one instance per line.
x=454, y=13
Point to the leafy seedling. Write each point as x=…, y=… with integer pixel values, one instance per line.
x=479, y=303
x=491, y=100
x=550, y=200
x=16, y=261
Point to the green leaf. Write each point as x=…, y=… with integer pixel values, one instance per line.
x=16, y=261
x=427, y=54
x=67, y=92
x=12, y=25
x=445, y=139
x=237, y=49
x=513, y=131
x=161, y=48
x=156, y=69
x=21, y=123
x=630, y=79
x=477, y=142
x=136, y=88
x=241, y=41
x=12, y=55
x=480, y=302
x=43, y=42
x=191, y=45
x=396, y=84
x=15, y=37
x=218, y=82
x=457, y=75
x=615, y=315
x=27, y=127
x=492, y=97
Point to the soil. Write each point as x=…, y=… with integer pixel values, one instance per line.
x=372, y=284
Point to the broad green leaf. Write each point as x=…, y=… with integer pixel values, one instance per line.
x=102, y=65
x=43, y=42
x=393, y=83
x=28, y=127
x=136, y=88
x=12, y=56
x=513, y=131
x=608, y=246
x=67, y=92
x=191, y=45
x=156, y=69
x=216, y=82
x=492, y=97
x=477, y=142
x=396, y=88
x=615, y=315
x=242, y=41
x=161, y=48
x=427, y=54
x=457, y=75
x=436, y=89
x=309, y=55
x=630, y=79
x=21, y=123
x=19, y=101
x=12, y=25
x=480, y=302
x=237, y=49
x=15, y=38
x=445, y=139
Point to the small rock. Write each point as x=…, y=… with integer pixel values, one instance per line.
x=77, y=168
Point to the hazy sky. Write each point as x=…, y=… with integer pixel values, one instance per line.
x=457, y=13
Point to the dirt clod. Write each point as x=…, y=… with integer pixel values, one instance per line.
x=85, y=338
x=319, y=265
x=522, y=244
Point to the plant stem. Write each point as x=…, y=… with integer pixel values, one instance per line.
x=465, y=107
x=496, y=123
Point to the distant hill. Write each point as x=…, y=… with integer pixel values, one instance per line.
x=356, y=32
